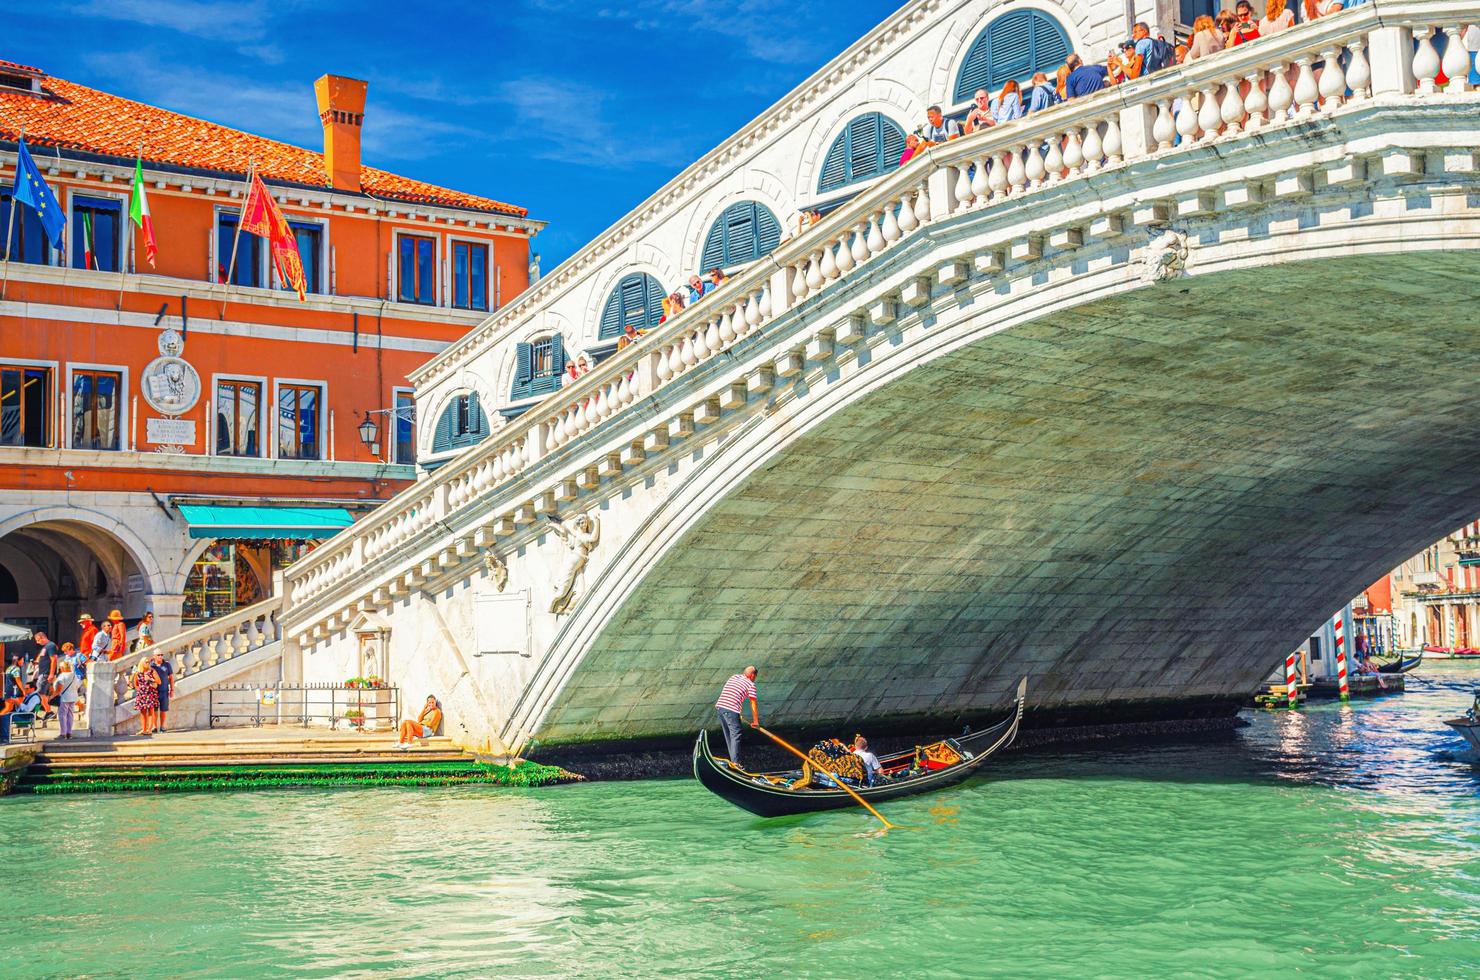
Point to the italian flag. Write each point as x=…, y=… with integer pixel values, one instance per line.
x=138, y=211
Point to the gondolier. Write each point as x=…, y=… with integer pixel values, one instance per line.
x=737, y=690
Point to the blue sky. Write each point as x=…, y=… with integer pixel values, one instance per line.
x=575, y=109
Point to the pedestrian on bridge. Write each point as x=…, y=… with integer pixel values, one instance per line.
x=737, y=690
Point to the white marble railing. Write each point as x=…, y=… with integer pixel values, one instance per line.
x=1289, y=79
x=212, y=644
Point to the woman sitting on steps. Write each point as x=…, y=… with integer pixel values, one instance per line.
x=424, y=725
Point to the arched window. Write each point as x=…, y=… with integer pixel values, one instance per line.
x=868, y=147
x=538, y=368
x=744, y=233
x=1014, y=45
x=638, y=300
x=462, y=424
x=9, y=593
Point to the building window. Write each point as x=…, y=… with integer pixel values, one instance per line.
x=637, y=300
x=418, y=270
x=96, y=242
x=310, y=239
x=248, y=268
x=404, y=419
x=870, y=145
x=744, y=233
x=238, y=422
x=25, y=397
x=538, y=367
x=1013, y=46
x=462, y=424
x=469, y=276
x=298, y=421
x=27, y=236
x=95, y=416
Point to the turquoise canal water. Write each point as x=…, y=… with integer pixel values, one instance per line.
x=1336, y=842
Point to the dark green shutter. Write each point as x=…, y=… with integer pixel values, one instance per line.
x=835, y=165
x=557, y=357
x=868, y=147
x=442, y=438
x=743, y=233
x=767, y=231
x=637, y=299
x=654, y=304
x=611, y=316
x=475, y=418
x=524, y=363
x=1013, y=46
x=714, y=245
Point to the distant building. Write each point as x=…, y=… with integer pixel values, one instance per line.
x=169, y=439
x=1436, y=593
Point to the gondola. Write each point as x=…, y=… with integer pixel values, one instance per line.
x=1402, y=665
x=768, y=795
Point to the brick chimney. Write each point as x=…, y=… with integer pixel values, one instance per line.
x=342, y=111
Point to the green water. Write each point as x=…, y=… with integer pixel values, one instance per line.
x=1334, y=842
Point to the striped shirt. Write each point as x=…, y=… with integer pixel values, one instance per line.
x=736, y=690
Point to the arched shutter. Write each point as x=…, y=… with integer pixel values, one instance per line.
x=868, y=147
x=1013, y=46
x=714, y=245
x=611, y=316
x=767, y=230
x=743, y=233
x=638, y=300
x=442, y=438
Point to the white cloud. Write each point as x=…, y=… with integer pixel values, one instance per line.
x=238, y=21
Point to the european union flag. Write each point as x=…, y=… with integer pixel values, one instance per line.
x=31, y=190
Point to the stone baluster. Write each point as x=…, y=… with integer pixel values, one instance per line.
x=829, y=266
x=1017, y=173
x=1094, y=148
x=1358, y=71
x=1073, y=152
x=675, y=358
x=922, y=204
x=844, y=260
x=1281, y=97
x=700, y=346
x=1164, y=129
x=689, y=351
x=799, y=281
x=1033, y=167
x=725, y=326
x=876, y=241
x=1332, y=83
x=907, y=221
x=1307, y=94
x=712, y=337
x=765, y=305
x=1053, y=160
x=1187, y=118
x=1255, y=103
x=1114, y=142
x=981, y=184
x=814, y=273
x=1456, y=63
x=753, y=308
x=997, y=179
x=1210, y=114
x=964, y=193
x=1233, y=109
x=1426, y=64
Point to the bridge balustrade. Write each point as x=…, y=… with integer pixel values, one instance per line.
x=1375, y=51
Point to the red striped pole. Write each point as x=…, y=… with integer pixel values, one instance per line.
x=1341, y=682
x=1292, y=691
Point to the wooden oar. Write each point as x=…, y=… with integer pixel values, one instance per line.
x=836, y=778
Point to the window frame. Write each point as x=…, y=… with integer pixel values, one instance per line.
x=437, y=285
x=223, y=256
x=322, y=426
x=52, y=369
x=322, y=258
x=76, y=367
x=453, y=241
x=262, y=389
x=50, y=255
x=125, y=239
x=394, y=442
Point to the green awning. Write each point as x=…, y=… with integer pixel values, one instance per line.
x=221, y=521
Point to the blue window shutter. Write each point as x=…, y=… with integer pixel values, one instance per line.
x=638, y=300
x=654, y=305
x=869, y=146
x=524, y=363
x=475, y=417
x=1012, y=46
x=892, y=138
x=743, y=233
x=557, y=357
x=611, y=316
x=442, y=438
x=714, y=246
x=835, y=165
x=864, y=148
x=767, y=230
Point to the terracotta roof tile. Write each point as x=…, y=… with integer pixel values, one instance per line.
x=75, y=117
x=17, y=66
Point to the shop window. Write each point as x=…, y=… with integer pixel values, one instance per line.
x=469, y=276
x=28, y=241
x=417, y=267
x=310, y=239
x=97, y=240
x=248, y=268
x=298, y=421
x=95, y=420
x=238, y=423
x=25, y=400
x=226, y=575
x=405, y=422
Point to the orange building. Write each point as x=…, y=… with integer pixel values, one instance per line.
x=171, y=435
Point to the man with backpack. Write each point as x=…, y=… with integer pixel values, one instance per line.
x=1152, y=54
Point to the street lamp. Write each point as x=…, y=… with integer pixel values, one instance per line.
x=370, y=434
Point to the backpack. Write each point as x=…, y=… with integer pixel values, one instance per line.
x=1159, y=57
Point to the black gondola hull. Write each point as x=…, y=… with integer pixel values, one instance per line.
x=749, y=791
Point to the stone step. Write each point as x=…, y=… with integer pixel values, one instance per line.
x=394, y=756
x=152, y=749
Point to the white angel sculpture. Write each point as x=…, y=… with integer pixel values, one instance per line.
x=580, y=537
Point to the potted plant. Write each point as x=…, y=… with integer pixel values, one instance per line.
x=355, y=717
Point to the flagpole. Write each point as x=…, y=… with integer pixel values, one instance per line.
x=123, y=259
x=241, y=216
x=10, y=218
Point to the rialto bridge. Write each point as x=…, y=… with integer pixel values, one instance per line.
x=1126, y=396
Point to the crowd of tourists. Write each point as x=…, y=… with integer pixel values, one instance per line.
x=51, y=681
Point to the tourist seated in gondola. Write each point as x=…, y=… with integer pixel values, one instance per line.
x=873, y=772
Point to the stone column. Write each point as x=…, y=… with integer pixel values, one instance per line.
x=167, y=609
x=1390, y=53
x=100, y=697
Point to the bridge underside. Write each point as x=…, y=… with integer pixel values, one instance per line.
x=1140, y=503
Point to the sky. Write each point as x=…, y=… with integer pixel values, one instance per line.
x=574, y=109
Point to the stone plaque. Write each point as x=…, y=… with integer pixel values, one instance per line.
x=171, y=432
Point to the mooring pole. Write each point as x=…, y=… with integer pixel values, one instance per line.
x=1292, y=690
x=1339, y=626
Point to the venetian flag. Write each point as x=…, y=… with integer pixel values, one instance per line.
x=261, y=217
x=138, y=211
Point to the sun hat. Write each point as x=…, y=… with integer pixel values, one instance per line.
x=115, y=616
